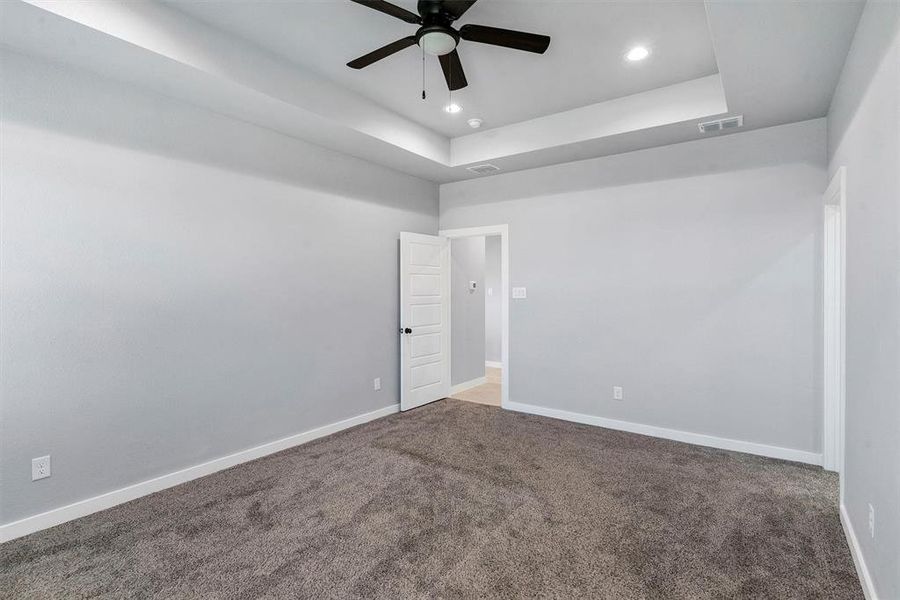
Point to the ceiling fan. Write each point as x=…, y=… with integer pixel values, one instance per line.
x=436, y=36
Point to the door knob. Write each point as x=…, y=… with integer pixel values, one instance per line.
x=407, y=330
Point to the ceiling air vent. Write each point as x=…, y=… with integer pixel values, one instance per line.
x=722, y=124
x=484, y=169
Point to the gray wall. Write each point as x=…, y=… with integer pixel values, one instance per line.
x=466, y=309
x=864, y=136
x=688, y=274
x=493, y=329
x=178, y=286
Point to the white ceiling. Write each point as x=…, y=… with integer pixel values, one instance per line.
x=781, y=60
x=281, y=65
x=584, y=64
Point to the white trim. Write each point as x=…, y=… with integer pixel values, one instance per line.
x=493, y=364
x=833, y=308
x=503, y=232
x=865, y=580
x=672, y=434
x=467, y=385
x=88, y=506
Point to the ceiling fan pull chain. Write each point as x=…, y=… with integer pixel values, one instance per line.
x=423, y=74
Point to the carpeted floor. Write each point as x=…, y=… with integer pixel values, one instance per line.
x=459, y=500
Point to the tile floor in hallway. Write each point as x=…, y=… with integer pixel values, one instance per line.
x=486, y=393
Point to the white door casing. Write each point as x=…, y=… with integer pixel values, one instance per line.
x=834, y=262
x=424, y=319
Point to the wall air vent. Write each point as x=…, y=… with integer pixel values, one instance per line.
x=722, y=124
x=484, y=169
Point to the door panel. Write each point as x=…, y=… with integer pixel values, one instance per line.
x=425, y=285
x=421, y=315
x=424, y=319
x=425, y=345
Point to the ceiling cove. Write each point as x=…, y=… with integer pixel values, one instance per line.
x=282, y=65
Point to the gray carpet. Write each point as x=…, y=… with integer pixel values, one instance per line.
x=458, y=500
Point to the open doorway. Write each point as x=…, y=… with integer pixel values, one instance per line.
x=475, y=366
x=479, y=305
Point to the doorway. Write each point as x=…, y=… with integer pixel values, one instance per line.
x=479, y=301
x=475, y=315
x=425, y=316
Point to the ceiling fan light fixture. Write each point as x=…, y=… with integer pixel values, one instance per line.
x=437, y=43
x=453, y=108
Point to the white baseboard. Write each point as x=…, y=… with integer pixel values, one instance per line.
x=493, y=364
x=467, y=385
x=862, y=571
x=672, y=434
x=83, y=508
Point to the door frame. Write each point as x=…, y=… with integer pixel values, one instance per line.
x=834, y=262
x=503, y=232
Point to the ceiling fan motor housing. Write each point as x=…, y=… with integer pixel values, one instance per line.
x=436, y=36
x=434, y=13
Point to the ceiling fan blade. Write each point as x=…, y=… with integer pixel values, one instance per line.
x=453, y=71
x=390, y=9
x=518, y=40
x=456, y=8
x=383, y=52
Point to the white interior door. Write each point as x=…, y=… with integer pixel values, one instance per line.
x=424, y=319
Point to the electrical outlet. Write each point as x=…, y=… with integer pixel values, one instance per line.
x=40, y=468
x=618, y=392
x=376, y=384
x=872, y=521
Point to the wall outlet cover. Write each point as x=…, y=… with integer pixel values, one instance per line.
x=519, y=293
x=40, y=467
x=618, y=392
x=376, y=384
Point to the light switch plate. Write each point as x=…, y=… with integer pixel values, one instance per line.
x=519, y=293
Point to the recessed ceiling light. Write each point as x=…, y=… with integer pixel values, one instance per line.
x=453, y=108
x=474, y=123
x=637, y=53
